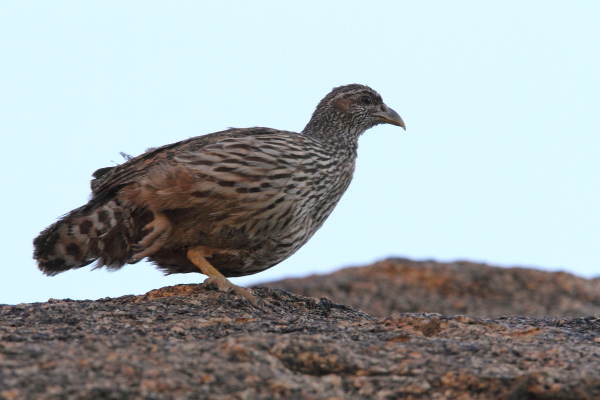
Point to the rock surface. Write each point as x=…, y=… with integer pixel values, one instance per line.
x=187, y=342
x=399, y=285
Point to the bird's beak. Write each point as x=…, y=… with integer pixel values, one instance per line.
x=390, y=116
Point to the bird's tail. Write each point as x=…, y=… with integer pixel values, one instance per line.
x=104, y=233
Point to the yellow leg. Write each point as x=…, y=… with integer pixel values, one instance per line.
x=196, y=256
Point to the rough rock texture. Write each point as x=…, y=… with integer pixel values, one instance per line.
x=399, y=285
x=186, y=342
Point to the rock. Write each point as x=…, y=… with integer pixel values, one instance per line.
x=186, y=342
x=399, y=285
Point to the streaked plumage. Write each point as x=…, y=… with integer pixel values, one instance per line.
x=247, y=198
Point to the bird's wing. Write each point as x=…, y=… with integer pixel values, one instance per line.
x=235, y=190
x=237, y=178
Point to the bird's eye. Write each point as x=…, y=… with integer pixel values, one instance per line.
x=366, y=99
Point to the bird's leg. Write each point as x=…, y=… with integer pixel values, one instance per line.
x=153, y=241
x=197, y=256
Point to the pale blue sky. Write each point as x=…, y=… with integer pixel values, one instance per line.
x=501, y=100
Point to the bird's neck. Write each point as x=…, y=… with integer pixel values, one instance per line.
x=333, y=133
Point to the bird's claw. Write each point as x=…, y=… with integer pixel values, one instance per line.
x=221, y=284
x=154, y=240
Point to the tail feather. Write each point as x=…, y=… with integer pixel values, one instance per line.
x=103, y=233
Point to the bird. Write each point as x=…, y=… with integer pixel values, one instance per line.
x=226, y=204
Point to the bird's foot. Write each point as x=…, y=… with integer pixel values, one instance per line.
x=197, y=255
x=222, y=284
x=153, y=241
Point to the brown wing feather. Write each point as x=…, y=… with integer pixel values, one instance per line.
x=110, y=180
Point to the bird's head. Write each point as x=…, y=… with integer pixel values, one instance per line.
x=350, y=110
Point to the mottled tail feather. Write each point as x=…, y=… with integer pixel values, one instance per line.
x=104, y=234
